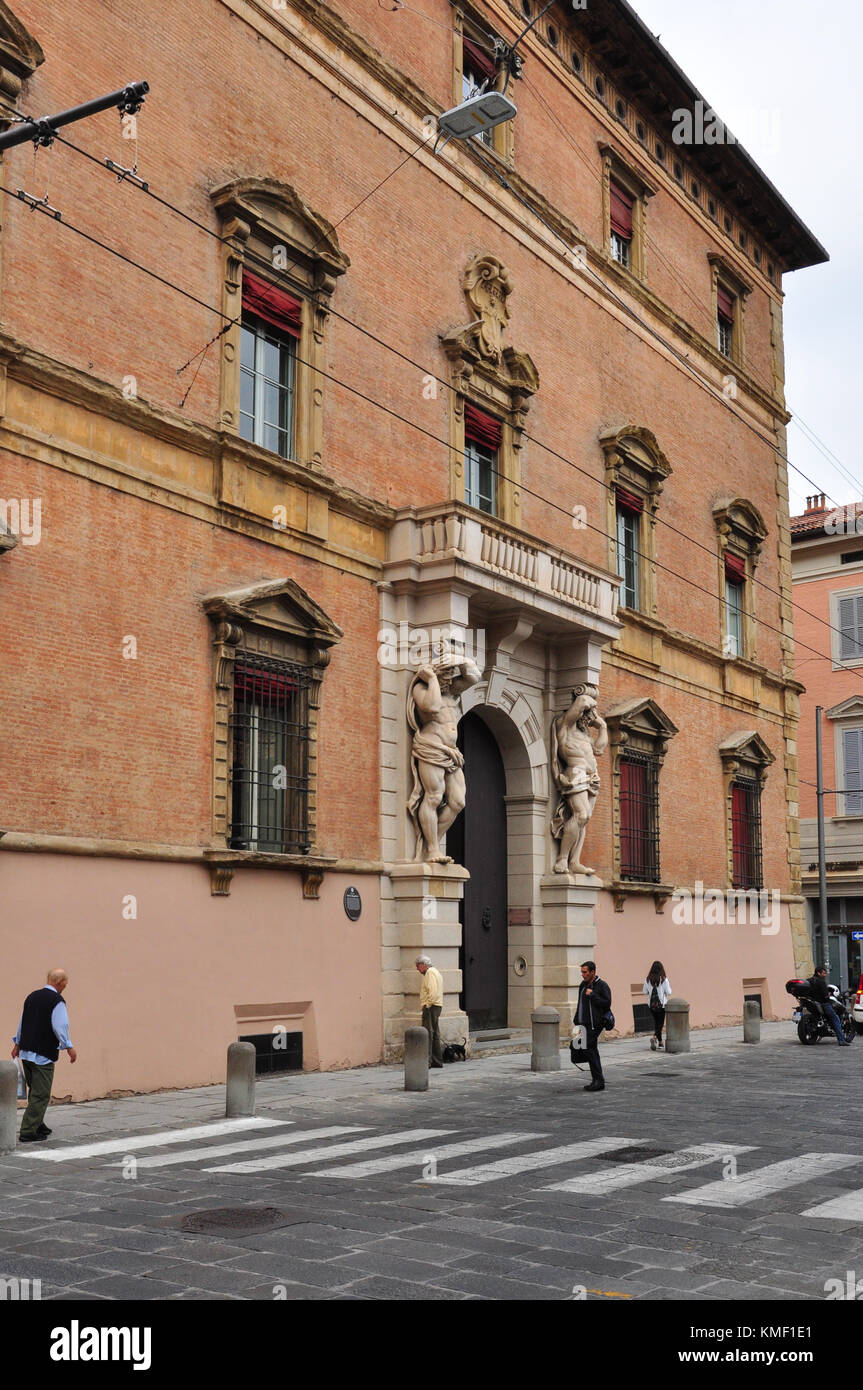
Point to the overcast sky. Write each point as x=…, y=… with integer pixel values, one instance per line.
x=785, y=77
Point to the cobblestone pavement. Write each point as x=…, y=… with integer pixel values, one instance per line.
x=733, y=1172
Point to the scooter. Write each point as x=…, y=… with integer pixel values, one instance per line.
x=812, y=1022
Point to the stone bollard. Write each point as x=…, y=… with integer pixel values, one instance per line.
x=545, y=1050
x=240, y=1088
x=677, y=1026
x=751, y=1021
x=416, y=1059
x=8, y=1107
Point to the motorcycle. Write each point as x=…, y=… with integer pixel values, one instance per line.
x=812, y=1022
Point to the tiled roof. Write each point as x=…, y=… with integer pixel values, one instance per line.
x=812, y=521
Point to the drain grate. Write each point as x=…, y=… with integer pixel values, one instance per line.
x=631, y=1155
x=238, y=1220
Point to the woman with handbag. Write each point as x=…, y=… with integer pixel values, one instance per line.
x=658, y=992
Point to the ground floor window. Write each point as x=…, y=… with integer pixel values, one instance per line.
x=270, y=762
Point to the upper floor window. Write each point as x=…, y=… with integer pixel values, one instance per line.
x=850, y=612
x=852, y=781
x=476, y=67
x=482, y=437
x=625, y=196
x=629, y=510
x=280, y=263
x=622, y=230
x=270, y=331
x=725, y=313
x=735, y=579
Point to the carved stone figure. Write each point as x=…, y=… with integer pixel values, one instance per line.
x=487, y=285
x=433, y=711
x=576, y=738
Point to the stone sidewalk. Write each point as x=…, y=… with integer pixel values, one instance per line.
x=171, y=1109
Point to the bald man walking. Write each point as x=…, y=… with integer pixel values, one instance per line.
x=43, y=1034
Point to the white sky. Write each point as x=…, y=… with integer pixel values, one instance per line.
x=785, y=77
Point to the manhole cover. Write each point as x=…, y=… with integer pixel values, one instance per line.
x=630, y=1155
x=239, y=1220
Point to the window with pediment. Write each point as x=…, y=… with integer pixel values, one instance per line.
x=741, y=532
x=281, y=262
x=635, y=473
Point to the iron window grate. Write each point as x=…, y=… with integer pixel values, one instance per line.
x=639, y=818
x=269, y=729
x=746, y=832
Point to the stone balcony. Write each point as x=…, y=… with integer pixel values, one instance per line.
x=501, y=568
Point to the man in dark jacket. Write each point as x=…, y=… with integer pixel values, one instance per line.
x=821, y=995
x=594, y=1002
x=43, y=1033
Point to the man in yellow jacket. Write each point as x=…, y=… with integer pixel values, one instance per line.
x=431, y=1003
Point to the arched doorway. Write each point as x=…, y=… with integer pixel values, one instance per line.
x=477, y=840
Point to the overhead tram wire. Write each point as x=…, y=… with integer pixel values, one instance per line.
x=411, y=424
x=266, y=264
x=231, y=322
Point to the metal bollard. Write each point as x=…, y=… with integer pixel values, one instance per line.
x=8, y=1107
x=240, y=1087
x=416, y=1059
x=677, y=1026
x=751, y=1021
x=545, y=1040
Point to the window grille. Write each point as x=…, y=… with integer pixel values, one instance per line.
x=270, y=744
x=746, y=833
x=639, y=818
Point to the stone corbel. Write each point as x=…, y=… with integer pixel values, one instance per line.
x=220, y=880
x=20, y=56
x=312, y=880
x=619, y=900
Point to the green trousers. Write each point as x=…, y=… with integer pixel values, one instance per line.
x=39, y=1081
x=431, y=1014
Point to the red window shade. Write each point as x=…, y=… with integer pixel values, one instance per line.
x=628, y=501
x=725, y=304
x=273, y=305
x=735, y=568
x=477, y=61
x=271, y=686
x=621, y=212
x=481, y=428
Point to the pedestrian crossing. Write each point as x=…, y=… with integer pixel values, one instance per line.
x=597, y=1168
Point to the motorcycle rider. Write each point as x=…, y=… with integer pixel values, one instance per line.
x=821, y=995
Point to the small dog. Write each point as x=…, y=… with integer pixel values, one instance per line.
x=455, y=1052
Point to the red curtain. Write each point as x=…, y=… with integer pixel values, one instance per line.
x=725, y=304
x=273, y=305
x=735, y=568
x=621, y=212
x=476, y=60
x=481, y=428
x=628, y=501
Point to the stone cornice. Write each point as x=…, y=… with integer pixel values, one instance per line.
x=45, y=374
x=683, y=641
x=35, y=842
x=416, y=100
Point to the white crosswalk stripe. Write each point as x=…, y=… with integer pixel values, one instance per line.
x=271, y=1141
x=525, y=1163
x=133, y=1142
x=380, y=1141
x=392, y=1162
x=618, y=1175
x=763, y=1182
x=848, y=1207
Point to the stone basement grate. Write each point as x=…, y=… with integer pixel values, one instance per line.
x=238, y=1220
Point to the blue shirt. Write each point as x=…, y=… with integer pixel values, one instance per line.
x=60, y=1024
